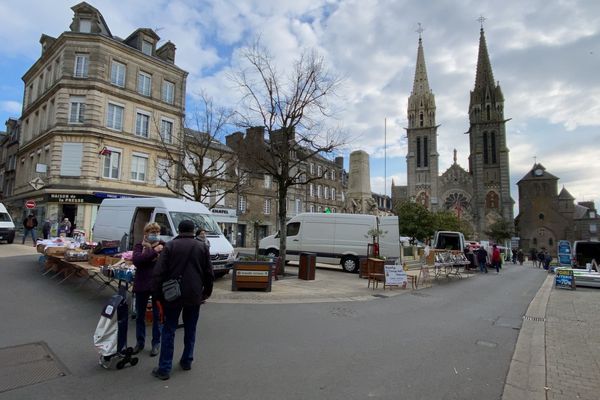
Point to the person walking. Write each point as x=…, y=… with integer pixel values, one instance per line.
x=145, y=255
x=64, y=229
x=482, y=259
x=533, y=256
x=46, y=227
x=496, y=258
x=188, y=260
x=30, y=224
x=520, y=256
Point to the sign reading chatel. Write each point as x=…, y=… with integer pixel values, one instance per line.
x=565, y=278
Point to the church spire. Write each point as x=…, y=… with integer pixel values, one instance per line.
x=421, y=103
x=484, y=76
x=421, y=84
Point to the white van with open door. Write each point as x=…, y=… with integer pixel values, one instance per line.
x=124, y=219
x=7, y=226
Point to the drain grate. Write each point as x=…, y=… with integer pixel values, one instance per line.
x=28, y=364
x=383, y=296
x=536, y=319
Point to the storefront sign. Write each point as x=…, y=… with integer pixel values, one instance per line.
x=565, y=278
x=103, y=195
x=72, y=198
x=225, y=215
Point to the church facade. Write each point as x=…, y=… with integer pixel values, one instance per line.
x=481, y=194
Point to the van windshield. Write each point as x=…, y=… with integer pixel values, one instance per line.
x=205, y=221
x=4, y=217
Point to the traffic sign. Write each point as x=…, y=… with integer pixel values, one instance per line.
x=30, y=204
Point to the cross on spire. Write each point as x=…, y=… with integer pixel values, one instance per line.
x=420, y=29
x=481, y=20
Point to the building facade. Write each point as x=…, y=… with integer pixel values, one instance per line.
x=547, y=216
x=96, y=111
x=481, y=194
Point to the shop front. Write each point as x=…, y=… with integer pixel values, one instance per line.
x=227, y=220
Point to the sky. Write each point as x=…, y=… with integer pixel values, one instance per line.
x=544, y=53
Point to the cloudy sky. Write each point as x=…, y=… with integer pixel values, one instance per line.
x=545, y=53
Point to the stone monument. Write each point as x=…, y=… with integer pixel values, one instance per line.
x=359, y=197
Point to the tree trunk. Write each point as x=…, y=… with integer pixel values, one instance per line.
x=282, y=227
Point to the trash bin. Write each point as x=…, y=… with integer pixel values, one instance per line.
x=308, y=265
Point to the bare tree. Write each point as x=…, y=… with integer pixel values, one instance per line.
x=291, y=110
x=201, y=168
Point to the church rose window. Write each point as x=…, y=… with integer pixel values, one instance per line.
x=423, y=199
x=456, y=202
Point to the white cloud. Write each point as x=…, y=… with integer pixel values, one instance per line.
x=10, y=106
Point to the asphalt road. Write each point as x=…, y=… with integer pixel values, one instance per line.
x=452, y=341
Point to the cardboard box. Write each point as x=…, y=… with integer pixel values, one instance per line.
x=110, y=260
x=97, y=260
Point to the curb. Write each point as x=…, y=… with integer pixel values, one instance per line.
x=526, y=377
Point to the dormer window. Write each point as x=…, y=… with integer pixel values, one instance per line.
x=147, y=47
x=85, y=26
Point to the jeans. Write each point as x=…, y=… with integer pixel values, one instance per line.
x=27, y=232
x=497, y=266
x=482, y=266
x=190, y=320
x=141, y=300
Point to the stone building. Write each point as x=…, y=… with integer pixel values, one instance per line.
x=481, y=194
x=547, y=216
x=257, y=201
x=95, y=110
x=9, y=146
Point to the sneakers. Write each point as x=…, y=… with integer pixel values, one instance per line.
x=155, y=350
x=185, y=366
x=137, y=348
x=160, y=375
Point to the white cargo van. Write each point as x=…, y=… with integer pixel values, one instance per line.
x=124, y=219
x=334, y=238
x=584, y=251
x=449, y=240
x=7, y=226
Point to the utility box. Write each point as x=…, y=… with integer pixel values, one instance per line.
x=308, y=265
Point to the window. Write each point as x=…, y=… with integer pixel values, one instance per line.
x=485, y=148
x=166, y=130
x=168, y=92
x=70, y=164
x=293, y=228
x=114, y=116
x=319, y=170
x=425, y=155
x=147, y=47
x=85, y=26
x=298, y=206
x=268, y=181
x=592, y=214
x=242, y=204
x=333, y=194
x=593, y=228
x=162, y=172
x=112, y=164
x=418, y=152
x=144, y=83
x=541, y=216
x=311, y=190
x=165, y=226
x=139, y=163
x=326, y=192
x=267, y=207
x=493, y=147
x=319, y=191
x=312, y=208
x=76, y=109
x=117, y=74
x=333, y=174
x=312, y=168
x=142, y=122
x=81, y=66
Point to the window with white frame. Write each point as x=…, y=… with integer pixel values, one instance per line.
x=268, y=181
x=85, y=25
x=332, y=173
x=81, y=66
x=112, y=164
x=168, y=92
x=319, y=170
x=326, y=192
x=333, y=194
x=208, y=167
x=312, y=208
x=139, y=164
x=312, y=168
x=144, y=83
x=114, y=116
x=117, y=74
x=142, y=123
x=311, y=190
x=72, y=154
x=320, y=209
x=219, y=197
x=242, y=204
x=319, y=191
x=76, y=109
x=147, y=47
x=166, y=130
x=267, y=207
x=298, y=206
x=162, y=172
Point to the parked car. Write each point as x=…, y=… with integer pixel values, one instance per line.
x=584, y=251
x=7, y=226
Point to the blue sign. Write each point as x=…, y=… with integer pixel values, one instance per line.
x=564, y=252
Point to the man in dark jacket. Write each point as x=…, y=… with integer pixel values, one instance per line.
x=30, y=225
x=188, y=260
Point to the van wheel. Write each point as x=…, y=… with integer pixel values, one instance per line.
x=350, y=264
x=272, y=253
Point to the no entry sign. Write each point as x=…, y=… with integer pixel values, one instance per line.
x=30, y=204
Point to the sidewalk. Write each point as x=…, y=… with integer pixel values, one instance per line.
x=557, y=355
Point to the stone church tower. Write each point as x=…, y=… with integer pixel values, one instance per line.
x=488, y=159
x=480, y=195
x=422, y=157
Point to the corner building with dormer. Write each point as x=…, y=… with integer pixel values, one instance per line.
x=479, y=195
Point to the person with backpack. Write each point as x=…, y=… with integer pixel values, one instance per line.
x=30, y=225
x=184, y=263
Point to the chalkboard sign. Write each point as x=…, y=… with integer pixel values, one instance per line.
x=395, y=275
x=565, y=278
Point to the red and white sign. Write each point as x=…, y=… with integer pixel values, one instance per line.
x=30, y=204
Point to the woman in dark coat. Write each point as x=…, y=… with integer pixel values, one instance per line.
x=145, y=255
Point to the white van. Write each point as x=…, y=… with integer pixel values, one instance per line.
x=7, y=226
x=124, y=219
x=449, y=240
x=334, y=238
x=584, y=251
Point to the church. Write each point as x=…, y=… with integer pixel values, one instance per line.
x=481, y=194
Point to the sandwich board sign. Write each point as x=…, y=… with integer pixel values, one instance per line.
x=565, y=278
x=395, y=275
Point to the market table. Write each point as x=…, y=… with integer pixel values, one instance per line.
x=60, y=266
